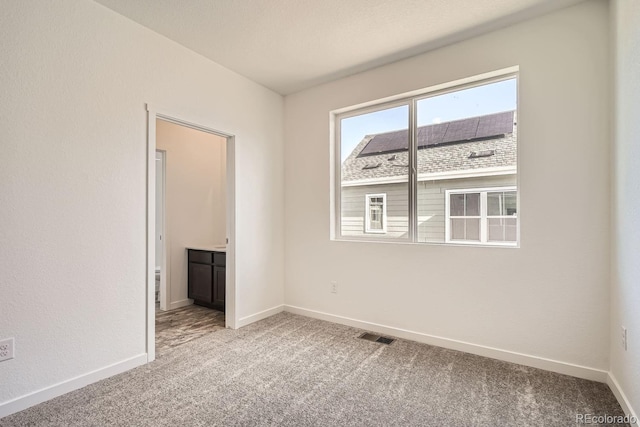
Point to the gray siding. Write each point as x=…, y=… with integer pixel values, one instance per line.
x=354, y=204
x=431, y=203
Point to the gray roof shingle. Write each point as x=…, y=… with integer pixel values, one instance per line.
x=436, y=157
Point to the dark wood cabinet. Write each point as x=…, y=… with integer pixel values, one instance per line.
x=207, y=277
x=219, y=283
x=200, y=279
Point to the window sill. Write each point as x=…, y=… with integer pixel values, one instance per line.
x=373, y=239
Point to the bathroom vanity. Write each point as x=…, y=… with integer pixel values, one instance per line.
x=207, y=276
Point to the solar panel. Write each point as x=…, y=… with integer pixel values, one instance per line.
x=431, y=135
x=495, y=124
x=461, y=130
x=456, y=131
x=386, y=142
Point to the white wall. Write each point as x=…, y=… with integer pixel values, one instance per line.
x=625, y=290
x=548, y=298
x=74, y=80
x=195, y=198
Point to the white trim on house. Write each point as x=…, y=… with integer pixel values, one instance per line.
x=483, y=216
x=367, y=212
x=437, y=176
x=468, y=173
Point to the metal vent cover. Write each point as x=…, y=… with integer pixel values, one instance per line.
x=376, y=338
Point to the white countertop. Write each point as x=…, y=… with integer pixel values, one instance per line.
x=211, y=248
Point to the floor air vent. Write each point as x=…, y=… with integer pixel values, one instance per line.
x=376, y=338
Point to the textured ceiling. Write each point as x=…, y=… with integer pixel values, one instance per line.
x=290, y=45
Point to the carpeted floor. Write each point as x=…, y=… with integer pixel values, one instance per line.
x=290, y=370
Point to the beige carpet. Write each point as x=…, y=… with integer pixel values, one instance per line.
x=290, y=370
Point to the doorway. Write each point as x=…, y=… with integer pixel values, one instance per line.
x=158, y=239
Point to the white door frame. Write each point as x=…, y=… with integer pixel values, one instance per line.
x=164, y=273
x=231, y=320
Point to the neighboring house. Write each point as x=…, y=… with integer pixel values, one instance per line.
x=466, y=182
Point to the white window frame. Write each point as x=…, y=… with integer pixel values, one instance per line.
x=367, y=221
x=484, y=241
x=410, y=99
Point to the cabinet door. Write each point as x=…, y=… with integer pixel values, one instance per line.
x=200, y=282
x=219, y=283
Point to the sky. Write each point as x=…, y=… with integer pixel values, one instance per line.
x=476, y=101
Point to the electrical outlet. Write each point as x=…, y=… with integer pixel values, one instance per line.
x=623, y=338
x=334, y=287
x=6, y=349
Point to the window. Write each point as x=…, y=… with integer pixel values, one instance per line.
x=400, y=166
x=464, y=217
x=486, y=216
x=376, y=221
x=502, y=219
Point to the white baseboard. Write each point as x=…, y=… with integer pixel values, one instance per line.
x=180, y=304
x=23, y=402
x=244, y=321
x=494, y=353
x=622, y=399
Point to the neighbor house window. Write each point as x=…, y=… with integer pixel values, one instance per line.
x=376, y=218
x=464, y=217
x=400, y=165
x=502, y=216
x=487, y=216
